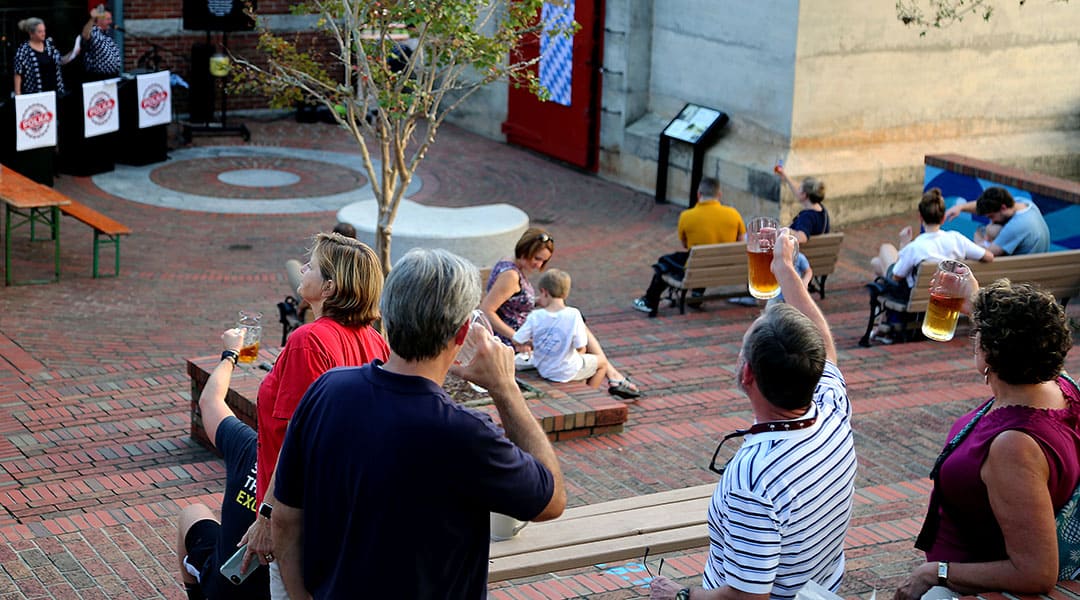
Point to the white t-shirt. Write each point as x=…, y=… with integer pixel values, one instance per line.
x=936, y=246
x=555, y=338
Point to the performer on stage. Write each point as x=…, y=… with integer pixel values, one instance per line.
x=101, y=56
x=37, y=61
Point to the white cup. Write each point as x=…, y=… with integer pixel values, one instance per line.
x=504, y=527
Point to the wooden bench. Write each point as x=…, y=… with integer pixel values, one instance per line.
x=605, y=532
x=822, y=251
x=724, y=266
x=1056, y=272
x=106, y=231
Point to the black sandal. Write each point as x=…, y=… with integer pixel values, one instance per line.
x=624, y=389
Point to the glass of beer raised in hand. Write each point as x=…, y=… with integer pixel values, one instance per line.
x=760, y=237
x=947, y=294
x=251, y=322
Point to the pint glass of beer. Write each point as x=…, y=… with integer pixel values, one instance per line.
x=760, y=237
x=947, y=290
x=251, y=322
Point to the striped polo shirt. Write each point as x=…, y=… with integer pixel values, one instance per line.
x=780, y=512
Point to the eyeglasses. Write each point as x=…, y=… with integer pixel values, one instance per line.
x=544, y=238
x=645, y=563
x=765, y=427
x=712, y=464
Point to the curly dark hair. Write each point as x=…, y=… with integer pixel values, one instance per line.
x=1023, y=332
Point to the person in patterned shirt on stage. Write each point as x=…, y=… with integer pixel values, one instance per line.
x=101, y=56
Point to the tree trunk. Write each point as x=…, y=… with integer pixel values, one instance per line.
x=383, y=231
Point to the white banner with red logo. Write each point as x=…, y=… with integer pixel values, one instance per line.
x=155, y=99
x=35, y=120
x=101, y=112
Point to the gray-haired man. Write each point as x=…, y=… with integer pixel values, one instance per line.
x=385, y=484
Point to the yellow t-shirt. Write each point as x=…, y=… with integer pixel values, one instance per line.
x=710, y=223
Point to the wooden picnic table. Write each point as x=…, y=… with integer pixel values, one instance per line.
x=32, y=203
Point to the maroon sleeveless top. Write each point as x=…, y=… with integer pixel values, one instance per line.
x=968, y=531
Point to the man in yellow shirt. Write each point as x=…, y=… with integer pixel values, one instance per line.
x=708, y=222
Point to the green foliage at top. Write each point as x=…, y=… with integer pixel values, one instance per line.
x=938, y=14
x=460, y=45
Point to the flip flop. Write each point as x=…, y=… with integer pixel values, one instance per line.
x=624, y=389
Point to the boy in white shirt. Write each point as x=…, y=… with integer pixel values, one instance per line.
x=562, y=348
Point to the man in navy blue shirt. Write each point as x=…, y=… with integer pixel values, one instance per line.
x=385, y=484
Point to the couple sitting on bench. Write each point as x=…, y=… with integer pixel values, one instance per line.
x=896, y=269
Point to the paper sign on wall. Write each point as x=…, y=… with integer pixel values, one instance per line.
x=155, y=99
x=35, y=120
x=100, y=109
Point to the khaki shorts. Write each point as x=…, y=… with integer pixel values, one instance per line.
x=588, y=369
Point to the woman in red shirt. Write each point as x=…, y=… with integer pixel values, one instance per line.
x=342, y=282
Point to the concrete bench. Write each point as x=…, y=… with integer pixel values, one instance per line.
x=606, y=532
x=725, y=266
x=483, y=234
x=106, y=231
x=1056, y=272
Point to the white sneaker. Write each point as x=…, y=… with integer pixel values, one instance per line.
x=639, y=304
x=523, y=361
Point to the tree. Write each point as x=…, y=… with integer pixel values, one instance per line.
x=943, y=13
x=395, y=94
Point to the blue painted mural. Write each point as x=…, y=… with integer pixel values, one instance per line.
x=1063, y=218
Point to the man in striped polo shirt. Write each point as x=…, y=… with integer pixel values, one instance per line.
x=782, y=507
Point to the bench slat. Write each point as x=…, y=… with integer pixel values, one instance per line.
x=823, y=252
x=560, y=559
x=655, y=499
x=94, y=219
x=610, y=526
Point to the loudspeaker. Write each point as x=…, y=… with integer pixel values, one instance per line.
x=218, y=15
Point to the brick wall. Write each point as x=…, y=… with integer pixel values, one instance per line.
x=175, y=49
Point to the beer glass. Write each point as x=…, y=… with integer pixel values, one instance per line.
x=760, y=237
x=251, y=322
x=479, y=326
x=947, y=289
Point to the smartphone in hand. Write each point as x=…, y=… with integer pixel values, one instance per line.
x=231, y=569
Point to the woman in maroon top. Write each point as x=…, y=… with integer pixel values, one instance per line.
x=1011, y=464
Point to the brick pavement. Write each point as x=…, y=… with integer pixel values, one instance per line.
x=94, y=452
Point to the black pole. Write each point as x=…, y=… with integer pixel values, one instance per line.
x=661, y=169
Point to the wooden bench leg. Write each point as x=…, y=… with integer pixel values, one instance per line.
x=682, y=301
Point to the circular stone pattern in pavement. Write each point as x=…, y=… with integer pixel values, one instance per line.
x=256, y=177
x=207, y=193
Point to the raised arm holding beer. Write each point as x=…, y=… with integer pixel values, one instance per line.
x=799, y=455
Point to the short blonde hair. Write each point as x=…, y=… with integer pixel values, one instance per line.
x=555, y=282
x=357, y=275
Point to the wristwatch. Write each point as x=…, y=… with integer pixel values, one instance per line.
x=943, y=574
x=683, y=594
x=265, y=510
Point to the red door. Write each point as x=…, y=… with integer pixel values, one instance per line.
x=567, y=125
